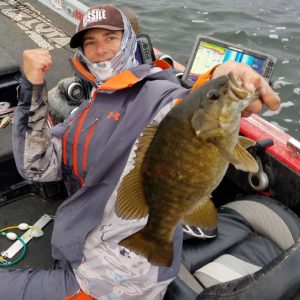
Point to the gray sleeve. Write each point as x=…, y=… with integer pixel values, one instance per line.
x=38, y=155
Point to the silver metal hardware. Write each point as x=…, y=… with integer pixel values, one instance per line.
x=258, y=181
x=294, y=146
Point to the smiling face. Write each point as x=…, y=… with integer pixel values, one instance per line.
x=101, y=45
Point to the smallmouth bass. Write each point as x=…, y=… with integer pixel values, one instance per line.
x=179, y=163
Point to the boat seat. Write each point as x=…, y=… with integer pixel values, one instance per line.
x=255, y=235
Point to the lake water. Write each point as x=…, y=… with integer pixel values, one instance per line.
x=268, y=26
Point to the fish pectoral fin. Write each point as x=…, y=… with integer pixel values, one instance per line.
x=197, y=121
x=204, y=215
x=243, y=160
x=205, y=125
x=131, y=203
x=246, y=142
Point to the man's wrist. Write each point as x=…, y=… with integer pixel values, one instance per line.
x=213, y=71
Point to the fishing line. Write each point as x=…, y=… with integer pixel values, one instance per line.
x=36, y=232
x=4, y=262
x=12, y=236
x=35, y=14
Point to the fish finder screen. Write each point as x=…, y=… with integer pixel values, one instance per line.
x=209, y=54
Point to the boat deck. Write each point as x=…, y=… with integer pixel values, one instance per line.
x=28, y=26
x=28, y=209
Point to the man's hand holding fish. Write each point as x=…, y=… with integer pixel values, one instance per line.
x=251, y=81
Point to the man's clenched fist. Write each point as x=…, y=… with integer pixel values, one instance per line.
x=36, y=62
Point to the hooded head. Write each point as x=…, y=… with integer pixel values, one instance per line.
x=110, y=18
x=102, y=16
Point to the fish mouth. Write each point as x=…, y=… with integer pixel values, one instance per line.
x=235, y=89
x=237, y=92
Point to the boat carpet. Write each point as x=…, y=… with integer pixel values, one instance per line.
x=33, y=25
x=6, y=143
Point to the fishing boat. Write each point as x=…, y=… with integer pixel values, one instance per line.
x=255, y=253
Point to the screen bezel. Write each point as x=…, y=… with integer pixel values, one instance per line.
x=144, y=52
x=268, y=67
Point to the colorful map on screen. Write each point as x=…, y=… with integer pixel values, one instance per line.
x=209, y=55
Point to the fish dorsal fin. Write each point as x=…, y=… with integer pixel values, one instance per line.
x=203, y=215
x=131, y=203
x=240, y=157
x=246, y=142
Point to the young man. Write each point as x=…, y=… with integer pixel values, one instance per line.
x=92, y=151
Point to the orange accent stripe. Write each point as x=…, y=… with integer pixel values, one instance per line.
x=76, y=138
x=50, y=120
x=204, y=78
x=79, y=295
x=65, y=138
x=78, y=65
x=177, y=101
x=120, y=81
x=87, y=142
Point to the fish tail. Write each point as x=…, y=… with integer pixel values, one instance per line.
x=157, y=252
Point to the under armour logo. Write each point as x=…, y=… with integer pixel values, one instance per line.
x=115, y=115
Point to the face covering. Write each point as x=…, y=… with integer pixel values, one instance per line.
x=124, y=59
x=102, y=70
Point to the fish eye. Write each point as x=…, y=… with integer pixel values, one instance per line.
x=213, y=95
